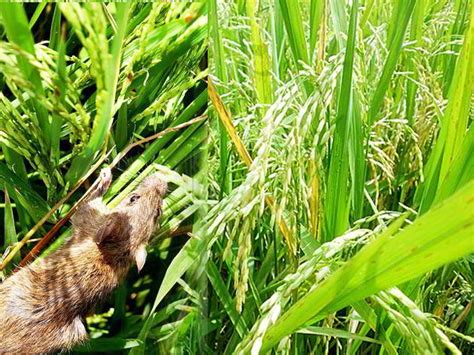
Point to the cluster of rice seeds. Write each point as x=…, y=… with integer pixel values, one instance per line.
x=65, y=104
x=89, y=24
x=314, y=269
x=60, y=94
x=395, y=144
x=22, y=134
x=252, y=203
x=417, y=328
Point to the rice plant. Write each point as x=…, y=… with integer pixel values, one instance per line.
x=340, y=163
x=85, y=85
x=330, y=209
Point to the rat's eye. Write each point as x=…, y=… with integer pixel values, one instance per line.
x=134, y=198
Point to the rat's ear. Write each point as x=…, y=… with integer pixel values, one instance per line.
x=115, y=226
x=140, y=257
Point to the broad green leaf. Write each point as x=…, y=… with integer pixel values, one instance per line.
x=442, y=235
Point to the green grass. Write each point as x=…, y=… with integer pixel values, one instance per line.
x=80, y=84
x=328, y=202
x=366, y=149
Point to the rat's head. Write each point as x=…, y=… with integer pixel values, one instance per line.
x=143, y=206
x=134, y=220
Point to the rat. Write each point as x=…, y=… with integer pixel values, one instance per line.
x=43, y=305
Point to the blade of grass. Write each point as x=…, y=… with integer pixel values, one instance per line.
x=339, y=20
x=316, y=17
x=55, y=31
x=226, y=299
x=279, y=60
x=461, y=170
x=121, y=128
x=10, y=232
x=357, y=158
x=57, y=39
x=25, y=195
x=397, y=12
x=291, y=13
x=38, y=11
x=457, y=29
x=337, y=333
x=391, y=60
x=294, y=28
x=337, y=196
x=16, y=165
x=221, y=73
x=415, y=35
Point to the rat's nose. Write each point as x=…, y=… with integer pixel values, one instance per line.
x=154, y=181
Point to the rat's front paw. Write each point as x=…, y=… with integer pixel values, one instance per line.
x=105, y=180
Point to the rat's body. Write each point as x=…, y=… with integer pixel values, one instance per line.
x=42, y=306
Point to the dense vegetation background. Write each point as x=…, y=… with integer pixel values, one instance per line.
x=342, y=157
x=80, y=83
x=331, y=210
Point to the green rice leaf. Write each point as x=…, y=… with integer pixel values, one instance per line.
x=442, y=235
x=453, y=124
x=337, y=197
x=24, y=195
x=395, y=49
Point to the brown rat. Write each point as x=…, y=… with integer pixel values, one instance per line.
x=42, y=306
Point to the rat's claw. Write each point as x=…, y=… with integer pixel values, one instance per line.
x=106, y=175
x=105, y=180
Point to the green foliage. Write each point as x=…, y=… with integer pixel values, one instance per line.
x=442, y=235
x=84, y=81
x=329, y=202
x=366, y=150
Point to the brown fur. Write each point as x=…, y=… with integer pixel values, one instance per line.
x=42, y=306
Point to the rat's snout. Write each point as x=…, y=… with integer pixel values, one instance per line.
x=154, y=181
